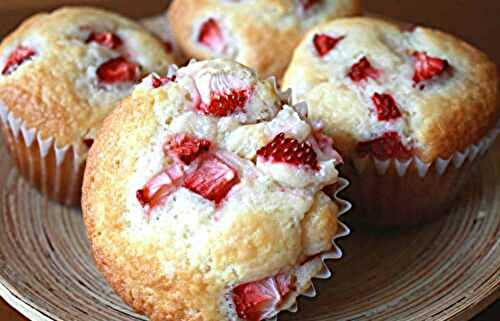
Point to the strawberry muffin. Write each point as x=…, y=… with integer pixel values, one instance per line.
x=261, y=33
x=160, y=27
x=410, y=109
x=203, y=197
x=60, y=75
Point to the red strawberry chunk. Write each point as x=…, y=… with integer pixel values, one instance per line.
x=325, y=144
x=409, y=27
x=385, y=147
x=324, y=43
x=106, y=39
x=118, y=70
x=386, y=107
x=225, y=104
x=363, y=70
x=17, y=58
x=186, y=148
x=88, y=142
x=290, y=151
x=213, y=179
x=427, y=67
x=285, y=284
x=161, y=194
x=211, y=36
x=160, y=81
x=158, y=188
x=308, y=4
x=168, y=46
x=258, y=300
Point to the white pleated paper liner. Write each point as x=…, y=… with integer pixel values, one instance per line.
x=457, y=160
x=334, y=254
x=344, y=207
x=402, y=193
x=56, y=170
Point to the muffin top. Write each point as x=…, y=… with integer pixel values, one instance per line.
x=160, y=27
x=203, y=196
x=261, y=34
x=62, y=72
x=391, y=91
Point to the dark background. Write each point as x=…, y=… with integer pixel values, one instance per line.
x=476, y=21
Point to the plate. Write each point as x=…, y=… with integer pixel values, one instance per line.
x=449, y=270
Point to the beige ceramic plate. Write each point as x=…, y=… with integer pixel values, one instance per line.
x=449, y=270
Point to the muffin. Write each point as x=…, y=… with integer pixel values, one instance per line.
x=261, y=34
x=203, y=197
x=159, y=26
x=61, y=74
x=410, y=110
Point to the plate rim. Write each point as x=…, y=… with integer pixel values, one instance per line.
x=28, y=309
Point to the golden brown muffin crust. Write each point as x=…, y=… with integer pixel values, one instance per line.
x=262, y=33
x=48, y=93
x=444, y=116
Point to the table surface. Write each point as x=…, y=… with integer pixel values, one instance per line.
x=476, y=21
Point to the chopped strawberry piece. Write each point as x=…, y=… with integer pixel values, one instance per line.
x=256, y=301
x=290, y=151
x=88, y=142
x=118, y=70
x=17, y=58
x=160, y=186
x=186, y=148
x=213, y=179
x=227, y=103
x=161, y=194
x=324, y=43
x=385, y=147
x=160, y=81
x=143, y=196
x=106, y=39
x=325, y=144
x=168, y=46
x=285, y=283
x=409, y=27
x=211, y=36
x=386, y=107
x=308, y=4
x=363, y=70
x=427, y=67
x=146, y=194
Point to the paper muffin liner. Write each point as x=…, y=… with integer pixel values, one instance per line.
x=57, y=171
x=410, y=192
x=334, y=253
x=344, y=207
